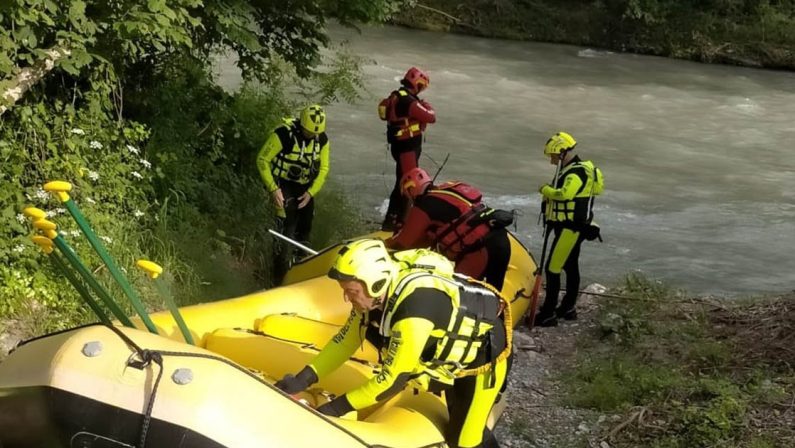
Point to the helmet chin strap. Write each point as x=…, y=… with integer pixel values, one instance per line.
x=378, y=302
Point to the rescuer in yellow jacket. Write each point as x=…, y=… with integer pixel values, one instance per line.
x=294, y=163
x=568, y=209
x=424, y=320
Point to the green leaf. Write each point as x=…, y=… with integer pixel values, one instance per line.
x=22, y=33
x=80, y=57
x=50, y=6
x=69, y=67
x=77, y=11
x=155, y=5
x=9, y=212
x=163, y=20
x=5, y=63
x=168, y=12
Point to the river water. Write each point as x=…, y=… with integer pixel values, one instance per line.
x=698, y=159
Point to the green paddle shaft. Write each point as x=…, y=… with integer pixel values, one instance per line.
x=172, y=307
x=114, y=270
x=59, y=266
x=103, y=294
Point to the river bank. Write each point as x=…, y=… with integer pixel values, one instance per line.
x=654, y=368
x=760, y=36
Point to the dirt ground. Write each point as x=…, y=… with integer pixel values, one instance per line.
x=536, y=415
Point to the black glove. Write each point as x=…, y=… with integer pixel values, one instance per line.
x=293, y=384
x=336, y=407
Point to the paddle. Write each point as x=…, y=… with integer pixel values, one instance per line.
x=60, y=189
x=295, y=243
x=48, y=228
x=540, y=267
x=153, y=270
x=45, y=244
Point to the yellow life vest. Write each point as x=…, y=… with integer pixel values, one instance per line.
x=299, y=159
x=475, y=310
x=424, y=260
x=579, y=209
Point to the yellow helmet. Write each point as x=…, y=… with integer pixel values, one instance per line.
x=558, y=143
x=313, y=119
x=366, y=261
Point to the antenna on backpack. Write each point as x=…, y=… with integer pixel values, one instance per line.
x=440, y=168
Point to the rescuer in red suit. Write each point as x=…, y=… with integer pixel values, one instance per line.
x=451, y=219
x=407, y=116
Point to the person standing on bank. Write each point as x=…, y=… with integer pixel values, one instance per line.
x=294, y=163
x=568, y=210
x=407, y=116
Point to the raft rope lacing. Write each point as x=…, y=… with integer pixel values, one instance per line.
x=146, y=357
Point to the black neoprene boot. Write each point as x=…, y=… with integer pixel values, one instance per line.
x=545, y=321
x=569, y=314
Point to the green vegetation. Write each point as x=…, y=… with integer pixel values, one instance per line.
x=120, y=99
x=687, y=373
x=753, y=33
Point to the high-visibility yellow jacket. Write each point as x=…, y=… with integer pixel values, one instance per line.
x=432, y=326
x=288, y=155
x=570, y=201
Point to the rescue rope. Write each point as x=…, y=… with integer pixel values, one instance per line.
x=147, y=357
x=614, y=296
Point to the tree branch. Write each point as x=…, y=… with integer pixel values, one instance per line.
x=29, y=76
x=455, y=19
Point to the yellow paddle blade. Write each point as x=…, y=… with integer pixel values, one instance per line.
x=34, y=213
x=60, y=188
x=44, y=224
x=44, y=243
x=152, y=269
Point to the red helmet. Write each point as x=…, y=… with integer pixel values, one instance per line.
x=414, y=183
x=417, y=79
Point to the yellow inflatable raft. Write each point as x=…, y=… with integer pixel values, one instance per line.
x=97, y=386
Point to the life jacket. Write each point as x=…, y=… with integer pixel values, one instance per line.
x=411, y=261
x=467, y=232
x=399, y=125
x=578, y=211
x=475, y=311
x=423, y=260
x=299, y=159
